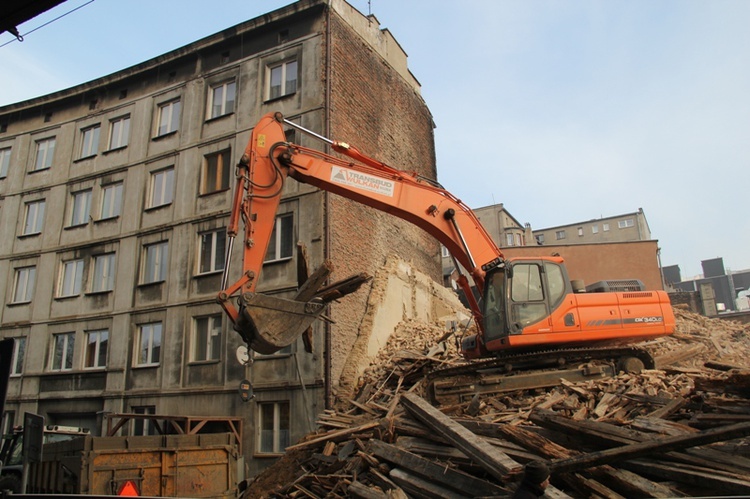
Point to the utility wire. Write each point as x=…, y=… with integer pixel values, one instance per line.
x=20, y=38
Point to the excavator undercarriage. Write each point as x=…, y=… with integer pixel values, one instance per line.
x=531, y=370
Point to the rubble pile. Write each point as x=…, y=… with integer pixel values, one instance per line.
x=678, y=430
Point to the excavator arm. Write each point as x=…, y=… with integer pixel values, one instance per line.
x=269, y=323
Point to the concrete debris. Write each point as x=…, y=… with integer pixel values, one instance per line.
x=680, y=430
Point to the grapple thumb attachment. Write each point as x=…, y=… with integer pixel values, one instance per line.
x=268, y=323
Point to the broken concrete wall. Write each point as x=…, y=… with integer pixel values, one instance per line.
x=399, y=293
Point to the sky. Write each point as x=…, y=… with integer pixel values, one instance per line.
x=564, y=111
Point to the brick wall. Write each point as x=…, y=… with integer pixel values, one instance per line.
x=372, y=108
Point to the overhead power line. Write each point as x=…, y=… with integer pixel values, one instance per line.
x=20, y=38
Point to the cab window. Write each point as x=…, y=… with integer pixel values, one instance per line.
x=527, y=296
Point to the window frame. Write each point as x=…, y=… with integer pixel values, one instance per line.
x=119, y=133
x=18, y=357
x=28, y=284
x=5, y=155
x=97, y=349
x=202, y=347
x=155, y=265
x=605, y=227
x=220, y=178
x=138, y=350
x=77, y=278
x=215, y=254
x=67, y=352
x=37, y=218
x=625, y=224
x=595, y=229
x=45, y=151
x=212, y=111
x=283, y=91
x=172, y=121
x=277, y=238
x=111, y=206
x=279, y=443
x=166, y=192
x=89, y=144
x=107, y=279
x=80, y=214
x=560, y=235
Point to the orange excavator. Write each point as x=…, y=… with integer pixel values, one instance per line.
x=525, y=305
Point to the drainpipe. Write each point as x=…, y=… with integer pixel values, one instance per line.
x=326, y=200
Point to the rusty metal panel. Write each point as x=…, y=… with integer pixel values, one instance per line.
x=161, y=466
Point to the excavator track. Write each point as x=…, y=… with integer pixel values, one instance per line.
x=536, y=369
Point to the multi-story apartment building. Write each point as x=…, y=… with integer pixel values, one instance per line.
x=620, y=228
x=115, y=194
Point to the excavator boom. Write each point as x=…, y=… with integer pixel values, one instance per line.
x=525, y=302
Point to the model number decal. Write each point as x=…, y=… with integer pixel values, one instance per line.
x=648, y=319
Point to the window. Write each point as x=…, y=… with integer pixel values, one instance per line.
x=282, y=79
x=212, y=251
x=119, y=131
x=144, y=426
x=169, y=118
x=19, y=349
x=4, y=161
x=222, y=99
x=560, y=234
x=155, y=262
x=527, y=296
x=45, y=150
x=62, y=352
x=23, y=284
x=216, y=171
x=148, y=344
x=444, y=251
x=509, y=239
x=104, y=273
x=71, y=275
x=89, y=141
x=96, y=349
x=595, y=229
x=111, y=201
x=540, y=239
x=273, y=425
x=34, y=217
x=80, y=208
x=280, y=246
x=162, y=188
x=580, y=231
x=605, y=227
x=206, y=344
x=624, y=224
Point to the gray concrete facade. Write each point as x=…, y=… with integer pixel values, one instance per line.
x=110, y=289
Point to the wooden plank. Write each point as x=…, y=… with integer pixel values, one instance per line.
x=662, y=445
x=634, y=485
x=420, y=487
x=675, y=356
x=706, y=479
x=496, y=463
x=333, y=435
x=452, y=478
x=362, y=491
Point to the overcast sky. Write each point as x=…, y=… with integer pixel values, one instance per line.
x=564, y=111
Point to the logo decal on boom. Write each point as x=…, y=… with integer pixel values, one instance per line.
x=362, y=181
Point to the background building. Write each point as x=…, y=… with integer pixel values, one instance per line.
x=627, y=227
x=115, y=195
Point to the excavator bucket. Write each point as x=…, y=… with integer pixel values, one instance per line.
x=268, y=323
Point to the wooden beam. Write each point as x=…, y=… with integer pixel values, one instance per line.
x=660, y=446
x=496, y=463
x=449, y=477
